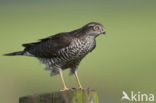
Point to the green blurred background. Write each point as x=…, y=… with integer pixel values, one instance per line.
x=124, y=59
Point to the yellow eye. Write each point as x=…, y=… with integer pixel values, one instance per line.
x=96, y=28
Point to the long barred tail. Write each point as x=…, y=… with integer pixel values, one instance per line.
x=15, y=53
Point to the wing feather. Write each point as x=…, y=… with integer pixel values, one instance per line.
x=49, y=47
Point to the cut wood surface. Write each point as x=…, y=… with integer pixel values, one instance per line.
x=69, y=96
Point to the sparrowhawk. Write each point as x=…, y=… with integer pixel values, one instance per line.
x=64, y=50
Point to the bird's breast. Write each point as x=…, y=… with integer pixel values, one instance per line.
x=81, y=47
x=73, y=53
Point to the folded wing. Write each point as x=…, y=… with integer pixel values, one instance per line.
x=48, y=47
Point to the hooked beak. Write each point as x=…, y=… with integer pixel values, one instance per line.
x=104, y=32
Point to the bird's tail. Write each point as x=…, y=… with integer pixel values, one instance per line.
x=14, y=53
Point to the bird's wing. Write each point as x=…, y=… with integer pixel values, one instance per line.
x=49, y=47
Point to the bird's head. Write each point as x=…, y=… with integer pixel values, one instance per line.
x=93, y=29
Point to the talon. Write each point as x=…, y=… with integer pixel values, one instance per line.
x=65, y=89
x=80, y=87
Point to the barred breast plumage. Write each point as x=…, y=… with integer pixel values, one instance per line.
x=70, y=56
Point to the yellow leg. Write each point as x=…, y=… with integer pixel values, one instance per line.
x=77, y=79
x=61, y=76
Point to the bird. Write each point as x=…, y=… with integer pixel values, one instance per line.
x=64, y=50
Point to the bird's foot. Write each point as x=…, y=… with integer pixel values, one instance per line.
x=64, y=89
x=80, y=87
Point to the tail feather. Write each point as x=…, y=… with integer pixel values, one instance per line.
x=14, y=53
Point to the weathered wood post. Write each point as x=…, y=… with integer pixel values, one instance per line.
x=70, y=96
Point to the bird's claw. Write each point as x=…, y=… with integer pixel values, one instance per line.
x=80, y=87
x=64, y=89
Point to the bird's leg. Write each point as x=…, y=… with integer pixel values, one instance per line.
x=77, y=79
x=61, y=76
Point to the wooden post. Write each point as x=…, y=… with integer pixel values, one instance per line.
x=69, y=96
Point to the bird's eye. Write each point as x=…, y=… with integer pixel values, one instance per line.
x=96, y=28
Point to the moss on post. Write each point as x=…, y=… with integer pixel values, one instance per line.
x=70, y=96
